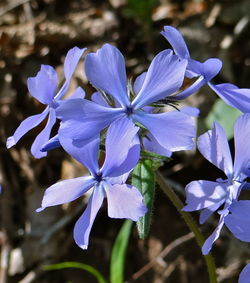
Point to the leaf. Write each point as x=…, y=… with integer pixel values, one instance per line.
x=225, y=115
x=119, y=253
x=143, y=178
x=72, y=264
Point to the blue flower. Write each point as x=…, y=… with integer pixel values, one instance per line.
x=82, y=119
x=245, y=274
x=124, y=201
x=43, y=87
x=210, y=196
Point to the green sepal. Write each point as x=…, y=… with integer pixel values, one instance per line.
x=143, y=178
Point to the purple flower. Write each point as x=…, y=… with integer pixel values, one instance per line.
x=210, y=196
x=245, y=274
x=124, y=201
x=105, y=69
x=43, y=87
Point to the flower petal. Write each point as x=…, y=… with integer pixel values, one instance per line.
x=164, y=77
x=105, y=69
x=242, y=149
x=139, y=82
x=245, y=274
x=120, y=136
x=85, y=152
x=207, y=212
x=213, y=145
x=151, y=144
x=43, y=86
x=85, y=222
x=26, y=125
x=98, y=98
x=124, y=201
x=202, y=194
x=176, y=40
x=238, y=221
x=66, y=191
x=43, y=136
x=51, y=144
x=236, y=97
x=79, y=93
x=179, y=129
x=83, y=119
x=213, y=237
x=71, y=60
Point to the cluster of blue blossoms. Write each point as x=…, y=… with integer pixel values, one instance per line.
x=125, y=117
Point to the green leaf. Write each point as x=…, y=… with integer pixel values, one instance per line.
x=143, y=178
x=119, y=253
x=225, y=115
x=72, y=264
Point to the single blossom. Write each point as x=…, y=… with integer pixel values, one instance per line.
x=209, y=196
x=172, y=131
x=124, y=201
x=43, y=87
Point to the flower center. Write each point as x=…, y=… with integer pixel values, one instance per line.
x=129, y=110
x=98, y=177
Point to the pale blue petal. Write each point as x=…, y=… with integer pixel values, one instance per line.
x=242, y=148
x=51, y=144
x=71, y=60
x=179, y=129
x=85, y=152
x=203, y=194
x=66, y=191
x=120, y=136
x=105, y=69
x=98, y=98
x=26, y=125
x=213, y=237
x=236, y=97
x=207, y=212
x=213, y=145
x=238, y=221
x=85, y=222
x=164, y=77
x=78, y=93
x=43, y=136
x=43, y=86
x=139, y=82
x=151, y=144
x=124, y=201
x=175, y=39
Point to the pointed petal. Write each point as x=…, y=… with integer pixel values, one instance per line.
x=207, y=212
x=175, y=39
x=213, y=145
x=242, y=149
x=245, y=274
x=85, y=222
x=202, y=194
x=179, y=129
x=238, y=221
x=85, y=152
x=164, y=77
x=125, y=201
x=43, y=86
x=71, y=60
x=26, y=125
x=151, y=144
x=66, y=191
x=191, y=111
x=120, y=136
x=105, y=69
x=43, y=137
x=236, y=97
x=213, y=237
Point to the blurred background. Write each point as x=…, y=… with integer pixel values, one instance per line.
x=41, y=32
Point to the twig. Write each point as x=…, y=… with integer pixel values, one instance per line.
x=11, y=6
x=163, y=254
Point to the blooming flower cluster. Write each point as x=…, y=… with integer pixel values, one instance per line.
x=125, y=118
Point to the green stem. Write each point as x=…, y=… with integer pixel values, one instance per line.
x=190, y=223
